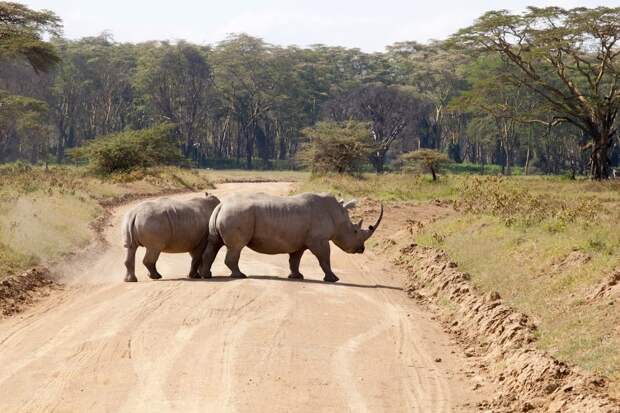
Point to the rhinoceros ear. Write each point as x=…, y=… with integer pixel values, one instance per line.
x=350, y=205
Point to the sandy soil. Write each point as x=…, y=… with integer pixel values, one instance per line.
x=259, y=344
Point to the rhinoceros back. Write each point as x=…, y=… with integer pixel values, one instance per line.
x=169, y=225
x=271, y=224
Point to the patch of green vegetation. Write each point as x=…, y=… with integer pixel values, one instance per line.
x=543, y=243
x=131, y=150
x=12, y=261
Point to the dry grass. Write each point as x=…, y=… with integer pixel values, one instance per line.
x=390, y=187
x=46, y=213
x=221, y=176
x=543, y=243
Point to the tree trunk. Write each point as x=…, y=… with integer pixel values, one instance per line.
x=600, y=156
x=527, y=156
x=249, y=147
x=433, y=173
x=378, y=160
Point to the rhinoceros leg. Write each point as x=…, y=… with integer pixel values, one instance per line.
x=321, y=250
x=213, y=247
x=149, y=261
x=293, y=261
x=130, y=264
x=232, y=262
x=196, y=260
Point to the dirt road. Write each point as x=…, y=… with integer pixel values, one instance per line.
x=259, y=344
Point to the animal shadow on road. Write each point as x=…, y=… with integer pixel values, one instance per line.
x=272, y=278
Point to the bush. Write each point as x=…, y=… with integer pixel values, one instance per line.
x=130, y=150
x=341, y=147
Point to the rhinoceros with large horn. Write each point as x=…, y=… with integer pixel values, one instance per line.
x=167, y=225
x=283, y=225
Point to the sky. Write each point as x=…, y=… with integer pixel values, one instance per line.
x=368, y=25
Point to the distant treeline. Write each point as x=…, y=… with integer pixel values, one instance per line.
x=245, y=102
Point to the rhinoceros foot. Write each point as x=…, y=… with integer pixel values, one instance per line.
x=206, y=275
x=155, y=276
x=296, y=276
x=330, y=278
x=130, y=278
x=194, y=275
x=238, y=275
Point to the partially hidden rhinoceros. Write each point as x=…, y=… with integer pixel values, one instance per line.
x=283, y=225
x=167, y=225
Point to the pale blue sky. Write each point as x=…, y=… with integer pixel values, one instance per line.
x=369, y=25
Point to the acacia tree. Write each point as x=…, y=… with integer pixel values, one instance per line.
x=243, y=70
x=426, y=160
x=388, y=109
x=502, y=102
x=340, y=147
x=436, y=74
x=21, y=35
x=176, y=81
x=21, y=118
x=570, y=58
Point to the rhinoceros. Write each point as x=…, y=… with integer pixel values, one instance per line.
x=283, y=225
x=167, y=225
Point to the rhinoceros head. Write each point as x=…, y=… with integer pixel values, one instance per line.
x=351, y=237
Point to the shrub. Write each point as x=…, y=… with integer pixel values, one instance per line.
x=130, y=150
x=341, y=147
x=426, y=160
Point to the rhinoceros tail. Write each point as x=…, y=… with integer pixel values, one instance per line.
x=127, y=228
x=213, y=232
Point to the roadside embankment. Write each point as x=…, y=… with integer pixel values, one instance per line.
x=545, y=248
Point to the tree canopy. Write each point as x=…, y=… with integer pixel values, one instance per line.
x=537, y=90
x=569, y=58
x=21, y=35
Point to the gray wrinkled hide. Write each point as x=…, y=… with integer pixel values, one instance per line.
x=167, y=225
x=283, y=225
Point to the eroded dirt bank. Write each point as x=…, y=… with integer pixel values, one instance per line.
x=260, y=344
x=498, y=339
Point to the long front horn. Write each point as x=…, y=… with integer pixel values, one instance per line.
x=373, y=228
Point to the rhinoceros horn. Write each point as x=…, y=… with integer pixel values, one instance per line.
x=373, y=228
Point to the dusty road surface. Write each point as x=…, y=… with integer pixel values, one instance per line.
x=259, y=344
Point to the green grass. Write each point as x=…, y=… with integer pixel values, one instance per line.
x=543, y=243
x=388, y=187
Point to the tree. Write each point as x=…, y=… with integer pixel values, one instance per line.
x=389, y=110
x=340, y=147
x=427, y=160
x=570, y=58
x=175, y=81
x=244, y=74
x=504, y=103
x=21, y=118
x=436, y=74
x=21, y=35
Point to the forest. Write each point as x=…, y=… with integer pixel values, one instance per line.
x=538, y=90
